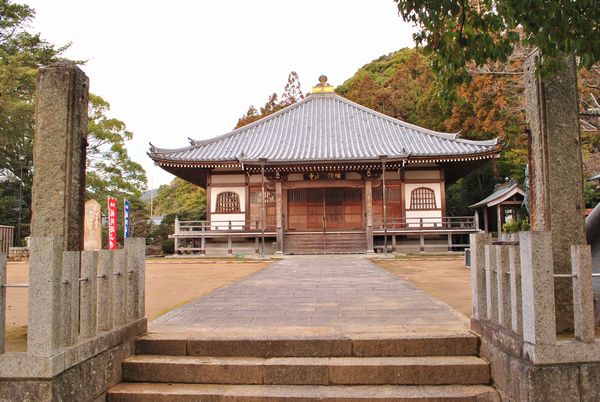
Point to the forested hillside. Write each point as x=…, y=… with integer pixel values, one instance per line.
x=491, y=105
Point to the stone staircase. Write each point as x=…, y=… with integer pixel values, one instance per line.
x=329, y=243
x=426, y=368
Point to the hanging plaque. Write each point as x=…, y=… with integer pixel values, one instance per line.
x=324, y=176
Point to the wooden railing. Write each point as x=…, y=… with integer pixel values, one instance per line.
x=512, y=284
x=430, y=223
x=190, y=236
x=220, y=226
x=94, y=294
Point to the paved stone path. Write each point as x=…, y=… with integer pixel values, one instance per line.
x=315, y=296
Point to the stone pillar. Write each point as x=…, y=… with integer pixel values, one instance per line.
x=555, y=170
x=491, y=280
x=136, y=251
x=537, y=283
x=581, y=257
x=369, y=212
x=3, y=268
x=279, y=216
x=45, y=269
x=59, y=154
x=69, y=298
x=105, y=290
x=88, y=304
x=478, y=274
x=92, y=226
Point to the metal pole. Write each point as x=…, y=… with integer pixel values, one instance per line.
x=383, y=160
x=151, y=200
x=263, y=214
x=21, y=159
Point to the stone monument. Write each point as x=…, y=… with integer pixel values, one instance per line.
x=71, y=355
x=556, y=174
x=92, y=226
x=59, y=154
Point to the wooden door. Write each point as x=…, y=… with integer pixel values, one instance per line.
x=296, y=209
x=353, y=208
x=314, y=208
x=318, y=209
x=334, y=208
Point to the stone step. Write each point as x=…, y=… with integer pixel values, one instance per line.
x=315, y=243
x=154, y=392
x=451, y=344
x=434, y=370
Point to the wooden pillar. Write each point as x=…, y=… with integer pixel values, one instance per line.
x=279, y=216
x=499, y=219
x=203, y=240
x=175, y=238
x=263, y=212
x=485, y=219
x=369, y=213
x=384, y=191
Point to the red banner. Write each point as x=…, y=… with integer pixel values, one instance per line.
x=112, y=223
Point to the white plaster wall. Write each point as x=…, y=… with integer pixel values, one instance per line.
x=227, y=178
x=422, y=174
x=222, y=221
x=215, y=190
x=430, y=218
x=436, y=187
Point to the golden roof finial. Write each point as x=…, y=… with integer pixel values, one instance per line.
x=323, y=86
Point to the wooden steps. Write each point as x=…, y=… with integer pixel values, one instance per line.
x=319, y=243
x=427, y=368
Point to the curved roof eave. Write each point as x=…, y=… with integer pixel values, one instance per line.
x=388, y=139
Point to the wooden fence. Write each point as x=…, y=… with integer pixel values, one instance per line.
x=6, y=238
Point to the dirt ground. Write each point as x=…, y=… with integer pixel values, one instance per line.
x=169, y=284
x=444, y=277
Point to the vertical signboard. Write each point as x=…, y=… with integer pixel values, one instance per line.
x=127, y=219
x=112, y=223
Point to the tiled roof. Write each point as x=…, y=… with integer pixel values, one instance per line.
x=597, y=177
x=325, y=127
x=501, y=194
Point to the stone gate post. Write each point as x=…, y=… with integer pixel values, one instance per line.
x=555, y=166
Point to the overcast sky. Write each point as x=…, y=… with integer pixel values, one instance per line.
x=178, y=69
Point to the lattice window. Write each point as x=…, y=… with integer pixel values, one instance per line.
x=422, y=198
x=227, y=202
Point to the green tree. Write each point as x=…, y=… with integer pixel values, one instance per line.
x=176, y=199
x=455, y=33
x=21, y=55
x=292, y=93
x=110, y=170
x=180, y=198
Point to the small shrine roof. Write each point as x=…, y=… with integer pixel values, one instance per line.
x=501, y=194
